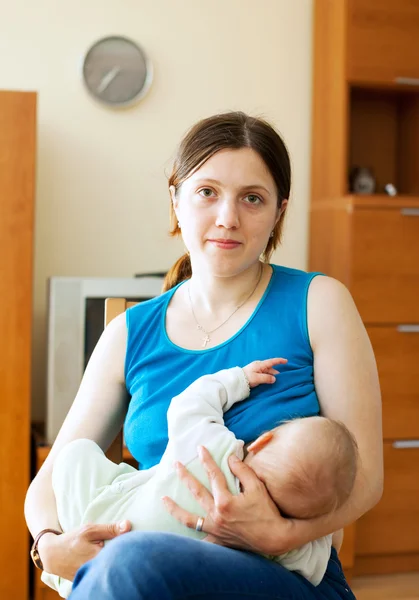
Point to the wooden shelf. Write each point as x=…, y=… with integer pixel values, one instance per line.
x=368, y=201
x=43, y=450
x=366, y=115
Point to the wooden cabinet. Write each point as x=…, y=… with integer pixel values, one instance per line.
x=396, y=349
x=385, y=264
x=393, y=526
x=371, y=242
x=17, y=182
x=383, y=41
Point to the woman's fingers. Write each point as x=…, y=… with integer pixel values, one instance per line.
x=218, y=483
x=183, y=516
x=248, y=479
x=197, y=489
x=100, y=532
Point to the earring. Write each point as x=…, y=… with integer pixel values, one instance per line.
x=272, y=234
x=178, y=224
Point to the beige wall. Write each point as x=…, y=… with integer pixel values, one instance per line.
x=102, y=202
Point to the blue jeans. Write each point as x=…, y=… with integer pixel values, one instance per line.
x=164, y=566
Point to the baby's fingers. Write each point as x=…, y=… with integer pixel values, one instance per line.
x=259, y=378
x=269, y=363
x=271, y=371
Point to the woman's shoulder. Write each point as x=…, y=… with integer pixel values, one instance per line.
x=287, y=281
x=330, y=306
x=291, y=273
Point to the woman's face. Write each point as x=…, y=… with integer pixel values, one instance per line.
x=227, y=210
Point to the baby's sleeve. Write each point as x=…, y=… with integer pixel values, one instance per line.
x=196, y=416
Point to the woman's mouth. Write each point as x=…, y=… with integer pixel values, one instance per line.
x=225, y=244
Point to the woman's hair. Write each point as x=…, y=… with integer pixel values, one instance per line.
x=231, y=130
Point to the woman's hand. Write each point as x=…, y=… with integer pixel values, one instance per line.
x=250, y=520
x=64, y=554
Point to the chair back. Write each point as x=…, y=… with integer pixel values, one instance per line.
x=113, y=308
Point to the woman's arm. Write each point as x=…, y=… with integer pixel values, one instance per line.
x=347, y=386
x=346, y=380
x=97, y=413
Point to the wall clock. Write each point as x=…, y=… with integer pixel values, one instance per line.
x=116, y=71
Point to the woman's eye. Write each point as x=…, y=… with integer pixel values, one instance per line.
x=252, y=199
x=206, y=192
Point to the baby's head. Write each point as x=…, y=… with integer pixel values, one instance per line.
x=308, y=466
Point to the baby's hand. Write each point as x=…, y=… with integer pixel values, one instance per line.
x=262, y=371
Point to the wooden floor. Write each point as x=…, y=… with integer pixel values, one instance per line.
x=404, y=586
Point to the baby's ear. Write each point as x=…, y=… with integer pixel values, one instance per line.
x=260, y=442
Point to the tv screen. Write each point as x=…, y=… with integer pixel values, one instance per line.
x=76, y=308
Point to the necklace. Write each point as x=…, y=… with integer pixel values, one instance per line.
x=207, y=338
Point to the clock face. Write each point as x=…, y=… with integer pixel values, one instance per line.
x=116, y=71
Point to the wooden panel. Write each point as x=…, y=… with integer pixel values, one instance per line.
x=390, y=563
x=347, y=552
x=374, y=138
x=385, y=269
x=408, y=155
x=42, y=591
x=396, y=587
x=383, y=40
x=113, y=308
x=392, y=526
x=17, y=179
x=397, y=355
x=330, y=97
x=330, y=239
x=43, y=451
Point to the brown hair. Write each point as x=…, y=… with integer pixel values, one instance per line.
x=232, y=130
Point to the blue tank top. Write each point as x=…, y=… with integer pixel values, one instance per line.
x=156, y=369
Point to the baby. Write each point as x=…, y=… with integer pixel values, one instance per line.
x=308, y=466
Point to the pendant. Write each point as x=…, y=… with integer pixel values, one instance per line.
x=207, y=338
x=205, y=341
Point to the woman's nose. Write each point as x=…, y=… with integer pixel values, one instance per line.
x=227, y=215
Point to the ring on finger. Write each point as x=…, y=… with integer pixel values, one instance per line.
x=199, y=524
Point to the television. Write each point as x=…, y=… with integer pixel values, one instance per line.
x=75, y=323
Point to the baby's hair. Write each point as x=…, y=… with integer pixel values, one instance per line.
x=320, y=479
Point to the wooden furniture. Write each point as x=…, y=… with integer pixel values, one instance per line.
x=366, y=113
x=113, y=308
x=387, y=587
x=17, y=189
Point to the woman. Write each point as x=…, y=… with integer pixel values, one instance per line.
x=229, y=190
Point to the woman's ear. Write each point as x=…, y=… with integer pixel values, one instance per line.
x=281, y=210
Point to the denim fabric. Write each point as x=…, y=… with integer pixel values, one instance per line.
x=164, y=566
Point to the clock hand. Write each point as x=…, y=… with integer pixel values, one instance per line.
x=107, y=79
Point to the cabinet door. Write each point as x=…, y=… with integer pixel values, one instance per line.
x=397, y=352
x=383, y=44
x=17, y=181
x=393, y=525
x=384, y=277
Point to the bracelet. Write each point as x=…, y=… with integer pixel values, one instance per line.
x=34, y=550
